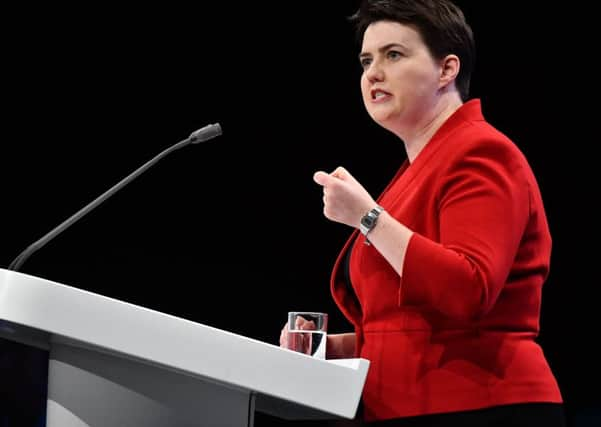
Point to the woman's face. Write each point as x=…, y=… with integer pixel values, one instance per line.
x=400, y=77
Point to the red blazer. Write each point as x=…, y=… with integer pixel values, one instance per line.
x=458, y=330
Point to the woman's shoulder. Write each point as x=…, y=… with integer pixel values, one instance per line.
x=479, y=149
x=480, y=138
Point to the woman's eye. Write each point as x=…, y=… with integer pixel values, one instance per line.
x=393, y=54
x=365, y=62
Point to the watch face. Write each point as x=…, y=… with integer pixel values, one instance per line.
x=367, y=221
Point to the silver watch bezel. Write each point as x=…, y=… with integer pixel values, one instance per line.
x=372, y=215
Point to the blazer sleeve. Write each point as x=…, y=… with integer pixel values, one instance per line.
x=483, y=209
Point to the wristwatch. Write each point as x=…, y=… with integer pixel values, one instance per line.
x=369, y=220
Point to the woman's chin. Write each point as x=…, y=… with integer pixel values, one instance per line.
x=381, y=112
x=384, y=119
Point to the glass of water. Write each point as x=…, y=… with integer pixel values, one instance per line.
x=307, y=333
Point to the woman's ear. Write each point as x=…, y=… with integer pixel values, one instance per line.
x=449, y=69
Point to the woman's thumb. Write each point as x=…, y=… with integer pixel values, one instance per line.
x=321, y=178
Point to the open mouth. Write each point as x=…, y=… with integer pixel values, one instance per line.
x=378, y=94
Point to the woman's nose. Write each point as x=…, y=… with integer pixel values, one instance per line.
x=374, y=72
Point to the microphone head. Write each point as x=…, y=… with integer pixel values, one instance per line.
x=205, y=133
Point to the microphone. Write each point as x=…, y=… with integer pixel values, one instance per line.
x=201, y=135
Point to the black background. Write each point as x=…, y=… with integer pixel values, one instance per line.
x=230, y=233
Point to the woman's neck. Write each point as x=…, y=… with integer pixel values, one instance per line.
x=417, y=137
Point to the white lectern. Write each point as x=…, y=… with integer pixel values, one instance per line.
x=113, y=363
